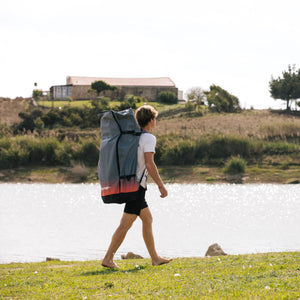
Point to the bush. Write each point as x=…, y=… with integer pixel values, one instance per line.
x=39, y=124
x=51, y=118
x=183, y=153
x=222, y=147
x=64, y=154
x=88, y=154
x=5, y=130
x=130, y=102
x=177, y=150
x=189, y=106
x=27, y=123
x=75, y=119
x=167, y=97
x=235, y=165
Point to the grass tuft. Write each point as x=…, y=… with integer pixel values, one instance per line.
x=236, y=165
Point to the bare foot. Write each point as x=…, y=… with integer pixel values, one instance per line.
x=109, y=264
x=161, y=261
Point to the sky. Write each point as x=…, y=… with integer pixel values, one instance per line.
x=235, y=44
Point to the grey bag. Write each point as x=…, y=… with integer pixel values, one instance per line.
x=120, y=134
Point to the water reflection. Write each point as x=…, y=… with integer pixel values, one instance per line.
x=69, y=221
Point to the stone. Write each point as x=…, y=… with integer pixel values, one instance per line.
x=237, y=178
x=52, y=259
x=131, y=255
x=292, y=181
x=215, y=250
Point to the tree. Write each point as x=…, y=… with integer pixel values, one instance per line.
x=101, y=86
x=286, y=88
x=197, y=96
x=220, y=100
x=36, y=94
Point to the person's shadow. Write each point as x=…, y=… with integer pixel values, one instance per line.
x=106, y=271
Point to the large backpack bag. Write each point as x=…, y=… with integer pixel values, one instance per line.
x=117, y=164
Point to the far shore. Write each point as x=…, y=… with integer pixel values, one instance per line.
x=170, y=174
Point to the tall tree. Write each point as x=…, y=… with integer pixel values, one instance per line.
x=220, y=100
x=101, y=86
x=286, y=88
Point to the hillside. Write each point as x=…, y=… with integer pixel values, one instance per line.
x=191, y=147
x=262, y=124
x=10, y=108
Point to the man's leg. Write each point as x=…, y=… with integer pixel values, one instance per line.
x=117, y=239
x=146, y=218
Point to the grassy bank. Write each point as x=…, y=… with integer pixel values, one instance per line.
x=169, y=174
x=259, y=276
x=191, y=147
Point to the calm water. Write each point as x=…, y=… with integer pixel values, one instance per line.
x=70, y=222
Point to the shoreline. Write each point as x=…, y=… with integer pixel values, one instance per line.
x=119, y=259
x=263, y=276
x=170, y=174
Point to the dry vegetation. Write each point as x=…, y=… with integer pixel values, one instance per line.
x=9, y=109
x=262, y=124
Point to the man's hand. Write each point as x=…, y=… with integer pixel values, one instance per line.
x=153, y=171
x=163, y=191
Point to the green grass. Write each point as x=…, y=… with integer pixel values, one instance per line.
x=259, y=276
x=63, y=103
x=81, y=103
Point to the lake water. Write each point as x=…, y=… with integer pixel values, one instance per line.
x=70, y=222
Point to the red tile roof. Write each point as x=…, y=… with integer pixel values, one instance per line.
x=159, y=81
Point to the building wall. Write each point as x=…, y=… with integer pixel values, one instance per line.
x=150, y=93
x=81, y=92
x=61, y=92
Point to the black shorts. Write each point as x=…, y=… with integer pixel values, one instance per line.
x=135, y=207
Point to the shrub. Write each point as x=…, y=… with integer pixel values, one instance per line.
x=39, y=124
x=189, y=106
x=130, y=102
x=177, y=150
x=27, y=123
x=5, y=143
x=75, y=119
x=89, y=153
x=235, y=165
x=4, y=162
x=182, y=153
x=5, y=130
x=64, y=154
x=51, y=118
x=167, y=97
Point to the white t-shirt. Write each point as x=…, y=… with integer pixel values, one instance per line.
x=147, y=143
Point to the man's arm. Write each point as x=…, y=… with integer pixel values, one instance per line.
x=152, y=170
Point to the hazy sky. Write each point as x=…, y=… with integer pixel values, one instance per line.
x=235, y=44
